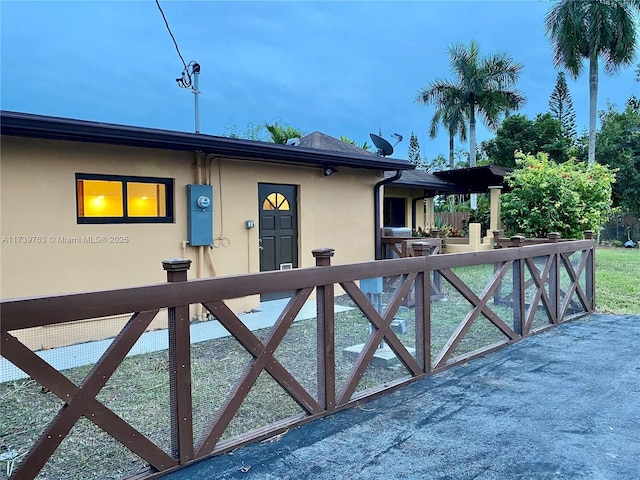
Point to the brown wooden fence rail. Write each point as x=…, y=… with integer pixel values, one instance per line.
x=80, y=400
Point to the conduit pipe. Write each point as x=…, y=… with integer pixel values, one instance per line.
x=376, y=210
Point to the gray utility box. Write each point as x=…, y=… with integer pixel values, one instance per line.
x=200, y=215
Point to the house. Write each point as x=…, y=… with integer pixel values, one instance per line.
x=92, y=206
x=409, y=201
x=405, y=199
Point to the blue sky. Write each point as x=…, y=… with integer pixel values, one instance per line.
x=344, y=68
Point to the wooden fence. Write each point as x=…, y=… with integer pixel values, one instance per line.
x=544, y=263
x=457, y=220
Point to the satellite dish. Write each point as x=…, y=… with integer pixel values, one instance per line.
x=384, y=147
x=293, y=142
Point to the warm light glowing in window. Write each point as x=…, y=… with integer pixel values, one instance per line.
x=275, y=201
x=100, y=198
x=146, y=199
x=124, y=199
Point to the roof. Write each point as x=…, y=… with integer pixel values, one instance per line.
x=431, y=184
x=323, y=141
x=476, y=179
x=58, y=128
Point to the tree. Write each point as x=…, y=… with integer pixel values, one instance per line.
x=414, y=150
x=567, y=198
x=638, y=73
x=251, y=132
x=589, y=29
x=518, y=133
x=364, y=145
x=483, y=86
x=282, y=133
x=618, y=145
x=438, y=164
x=450, y=112
x=561, y=107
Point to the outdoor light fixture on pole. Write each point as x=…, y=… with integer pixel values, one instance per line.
x=189, y=79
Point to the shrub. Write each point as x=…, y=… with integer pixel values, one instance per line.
x=567, y=198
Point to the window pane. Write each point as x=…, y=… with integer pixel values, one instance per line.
x=276, y=201
x=100, y=198
x=146, y=199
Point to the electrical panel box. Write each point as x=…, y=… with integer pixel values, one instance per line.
x=200, y=215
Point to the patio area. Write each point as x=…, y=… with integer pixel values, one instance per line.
x=558, y=405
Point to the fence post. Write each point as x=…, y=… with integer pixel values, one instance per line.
x=497, y=235
x=518, y=289
x=180, y=368
x=590, y=271
x=554, y=276
x=435, y=233
x=497, y=296
x=423, y=310
x=325, y=334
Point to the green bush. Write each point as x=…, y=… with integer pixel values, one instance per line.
x=567, y=198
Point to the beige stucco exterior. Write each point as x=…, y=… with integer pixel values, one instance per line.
x=44, y=250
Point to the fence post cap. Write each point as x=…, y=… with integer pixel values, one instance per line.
x=176, y=264
x=421, y=247
x=553, y=236
x=589, y=234
x=517, y=240
x=323, y=252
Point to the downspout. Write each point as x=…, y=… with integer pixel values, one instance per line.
x=376, y=210
x=414, y=210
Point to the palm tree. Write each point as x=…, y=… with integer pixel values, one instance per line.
x=364, y=145
x=282, y=134
x=590, y=29
x=450, y=112
x=482, y=87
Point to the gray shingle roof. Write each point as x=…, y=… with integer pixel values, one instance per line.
x=422, y=180
x=322, y=141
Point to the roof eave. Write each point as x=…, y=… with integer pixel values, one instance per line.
x=55, y=128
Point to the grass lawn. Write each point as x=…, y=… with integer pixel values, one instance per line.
x=618, y=280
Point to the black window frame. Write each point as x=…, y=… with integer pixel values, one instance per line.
x=169, y=196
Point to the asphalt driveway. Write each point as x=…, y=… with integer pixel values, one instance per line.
x=561, y=405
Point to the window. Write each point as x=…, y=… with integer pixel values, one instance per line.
x=275, y=201
x=393, y=212
x=115, y=199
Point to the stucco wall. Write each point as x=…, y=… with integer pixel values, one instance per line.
x=38, y=200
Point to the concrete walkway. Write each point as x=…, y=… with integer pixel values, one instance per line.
x=561, y=405
x=88, y=353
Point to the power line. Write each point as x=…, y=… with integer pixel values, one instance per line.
x=188, y=79
x=172, y=37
